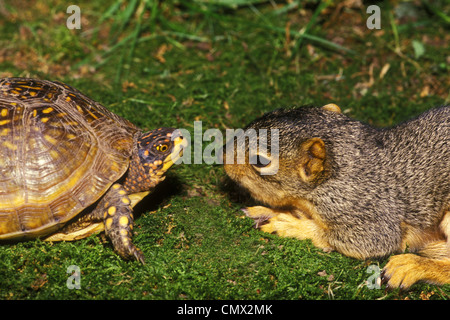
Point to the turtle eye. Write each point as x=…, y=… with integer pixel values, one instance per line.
x=162, y=147
x=259, y=161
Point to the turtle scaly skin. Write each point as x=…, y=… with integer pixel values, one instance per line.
x=69, y=167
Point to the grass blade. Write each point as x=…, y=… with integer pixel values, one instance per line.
x=305, y=30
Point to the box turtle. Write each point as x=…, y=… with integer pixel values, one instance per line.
x=70, y=168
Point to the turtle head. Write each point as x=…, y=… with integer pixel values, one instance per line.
x=156, y=152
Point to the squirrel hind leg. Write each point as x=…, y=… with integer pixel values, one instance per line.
x=432, y=264
x=404, y=270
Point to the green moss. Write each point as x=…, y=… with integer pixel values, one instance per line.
x=180, y=61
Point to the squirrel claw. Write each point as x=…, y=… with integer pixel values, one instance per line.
x=258, y=220
x=385, y=280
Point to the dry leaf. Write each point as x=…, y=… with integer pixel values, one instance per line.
x=425, y=91
x=384, y=70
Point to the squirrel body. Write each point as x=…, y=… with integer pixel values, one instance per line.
x=363, y=191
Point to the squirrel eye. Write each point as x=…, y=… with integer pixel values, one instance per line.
x=259, y=161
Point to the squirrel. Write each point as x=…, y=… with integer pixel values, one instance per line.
x=363, y=191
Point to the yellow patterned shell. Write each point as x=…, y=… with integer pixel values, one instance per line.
x=59, y=153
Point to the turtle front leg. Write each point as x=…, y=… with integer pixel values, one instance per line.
x=118, y=220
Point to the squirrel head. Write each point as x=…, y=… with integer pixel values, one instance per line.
x=278, y=158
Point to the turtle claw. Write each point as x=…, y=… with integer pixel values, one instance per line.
x=129, y=251
x=138, y=255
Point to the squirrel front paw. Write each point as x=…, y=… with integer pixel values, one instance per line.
x=271, y=221
x=259, y=214
x=288, y=225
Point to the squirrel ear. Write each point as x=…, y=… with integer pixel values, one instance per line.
x=332, y=107
x=312, y=157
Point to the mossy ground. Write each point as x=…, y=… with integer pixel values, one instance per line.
x=171, y=63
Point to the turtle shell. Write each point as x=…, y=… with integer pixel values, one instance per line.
x=60, y=152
